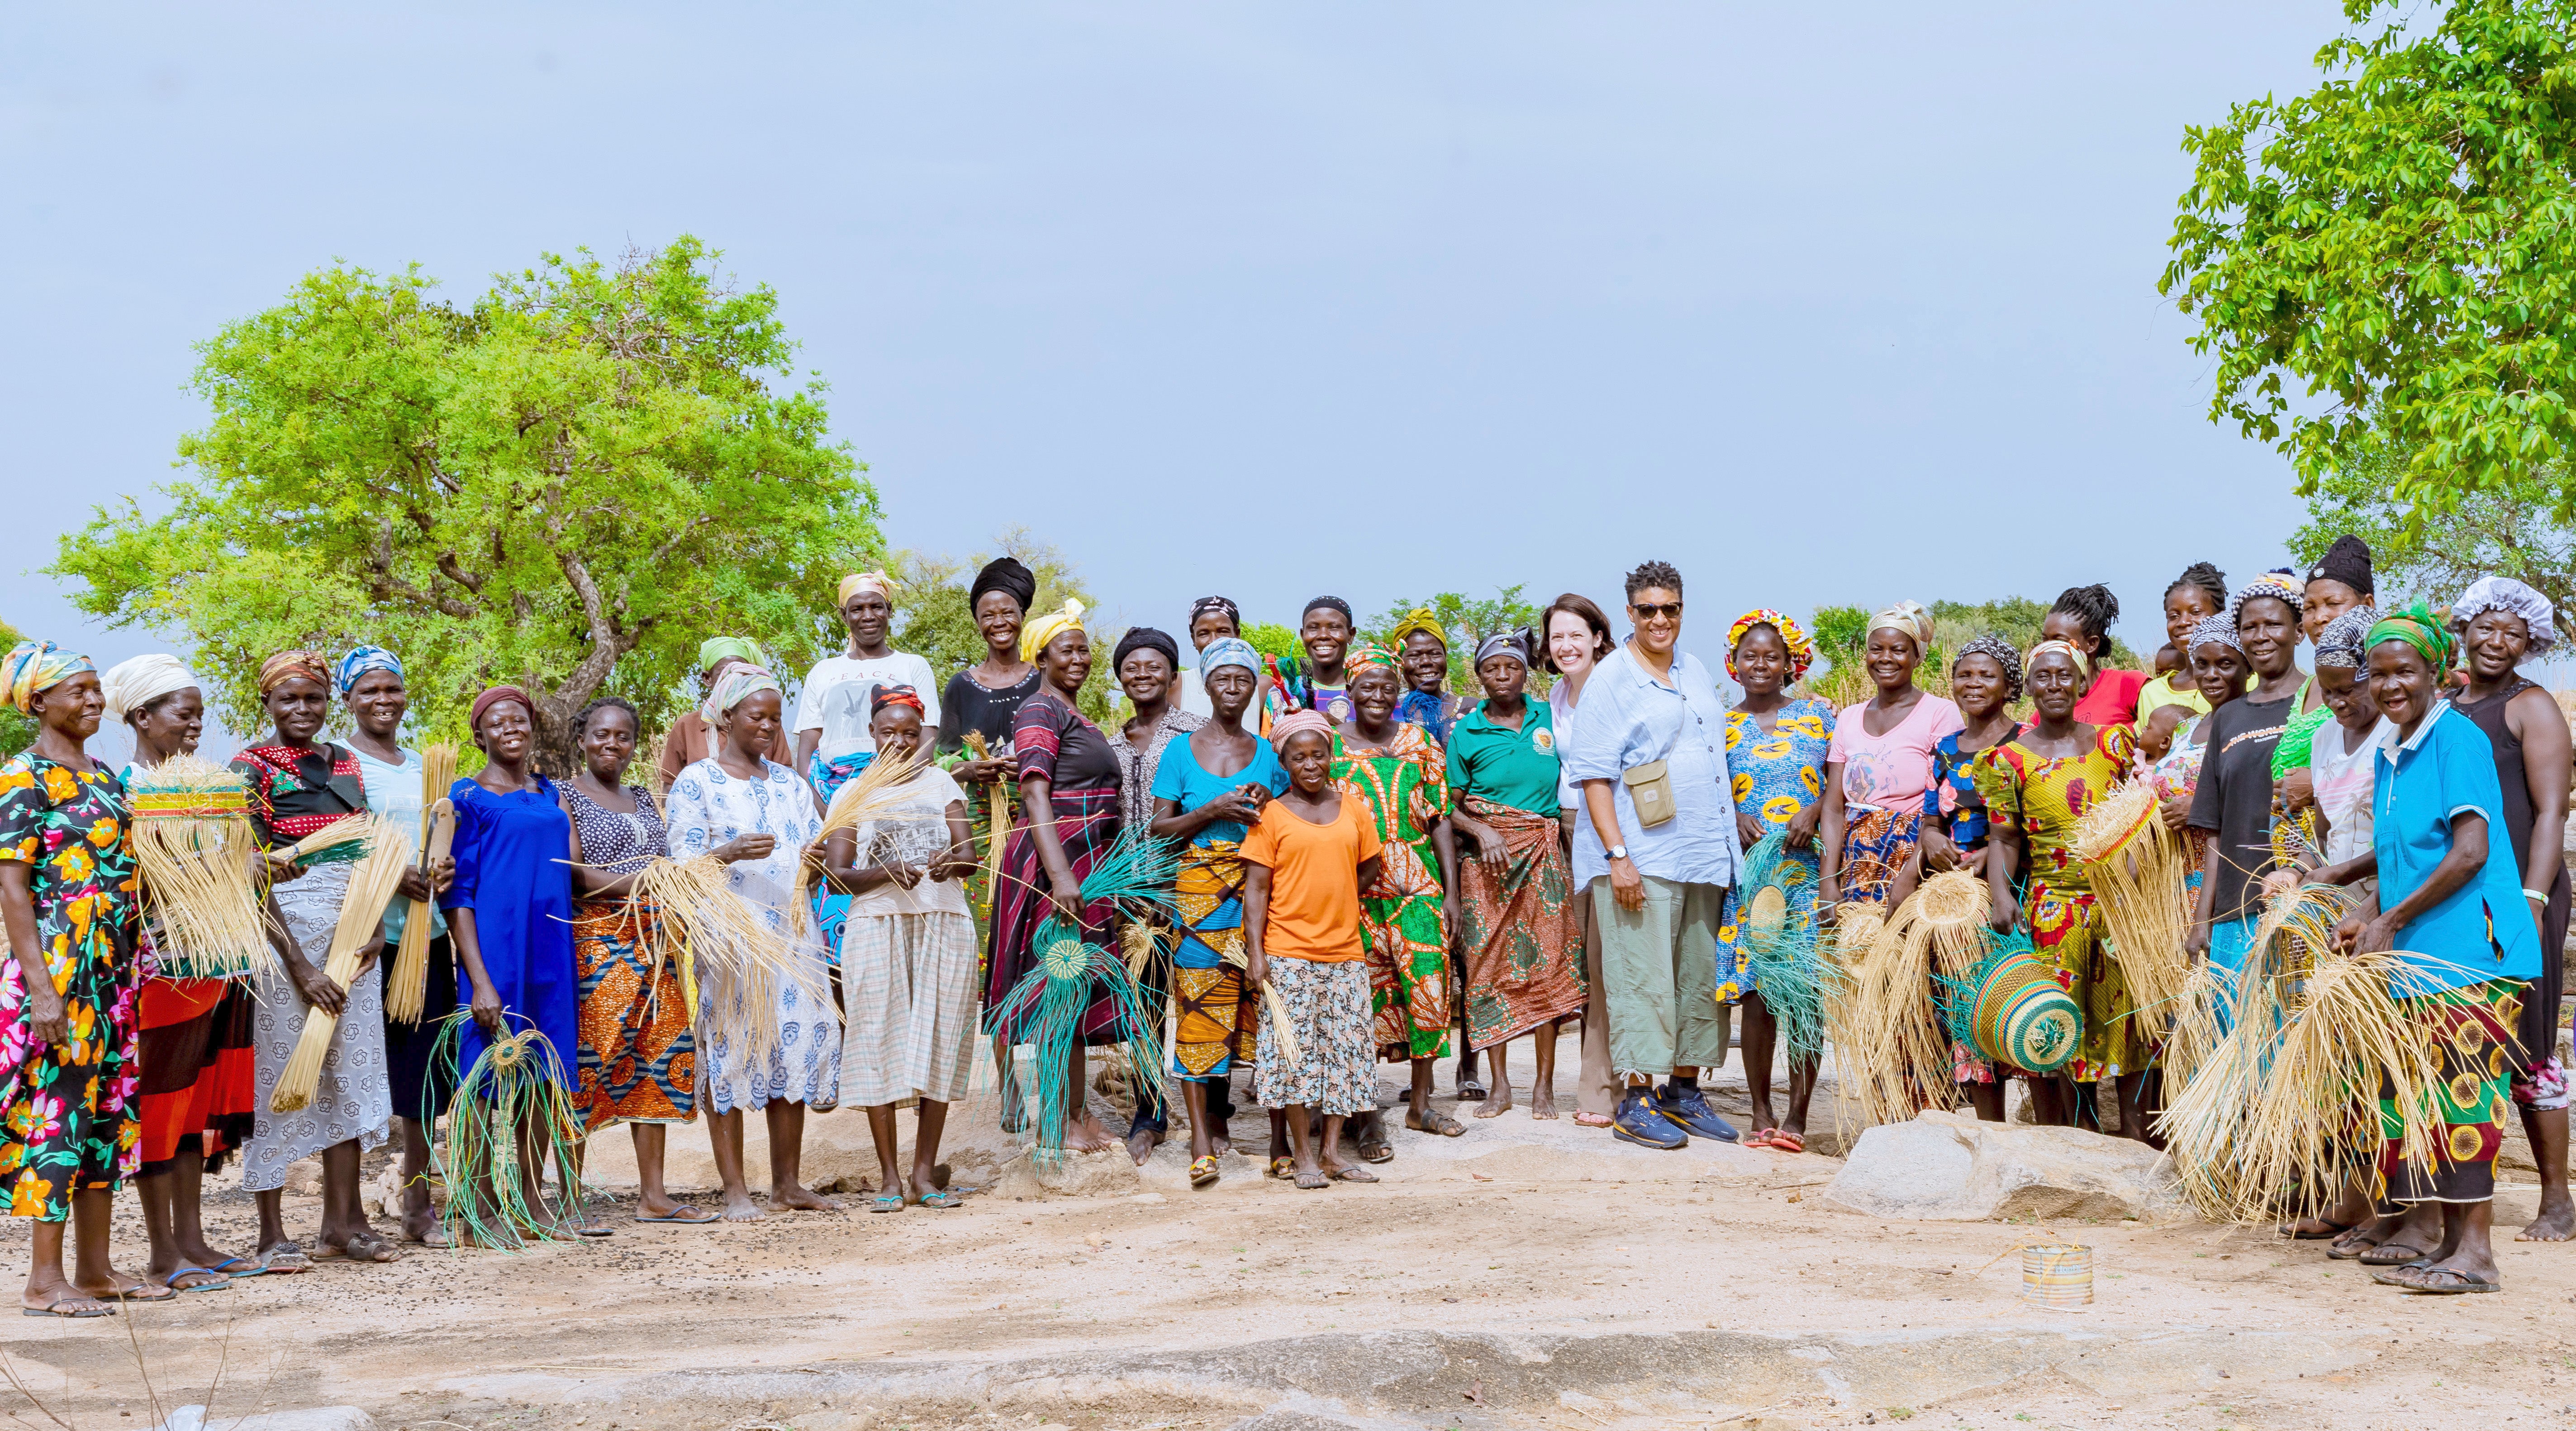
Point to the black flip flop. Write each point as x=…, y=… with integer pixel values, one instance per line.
x=2460, y=1282
x=2401, y=1255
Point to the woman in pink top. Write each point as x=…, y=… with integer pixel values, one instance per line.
x=1880, y=763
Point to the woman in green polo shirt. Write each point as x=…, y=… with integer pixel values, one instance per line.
x=1516, y=898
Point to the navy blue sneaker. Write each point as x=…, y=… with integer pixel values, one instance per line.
x=1639, y=1121
x=1685, y=1106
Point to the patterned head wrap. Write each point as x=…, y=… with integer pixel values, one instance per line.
x=1035, y=636
x=1145, y=638
x=497, y=695
x=362, y=660
x=132, y=685
x=2075, y=653
x=1420, y=618
x=1906, y=616
x=858, y=581
x=896, y=696
x=1515, y=644
x=1364, y=654
x=285, y=666
x=2213, y=631
x=717, y=648
x=735, y=686
x=2418, y=627
x=1206, y=604
x=35, y=667
x=1802, y=652
x=2001, y=652
x=2340, y=644
x=1229, y=651
x=2274, y=584
x=1296, y=723
x=2503, y=593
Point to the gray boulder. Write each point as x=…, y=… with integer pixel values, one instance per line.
x=1949, y=1167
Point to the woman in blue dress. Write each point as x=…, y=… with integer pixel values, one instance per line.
x=509, y=913
x=1775, y=759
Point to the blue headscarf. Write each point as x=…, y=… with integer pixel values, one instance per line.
x=1229, y=651
x=359, y=662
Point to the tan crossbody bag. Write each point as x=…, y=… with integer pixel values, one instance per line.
x=1650, y=789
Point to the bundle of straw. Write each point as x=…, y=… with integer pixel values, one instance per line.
x=716, y=936
x=861, y=800
x=2138, y=869
x=362, y=915
x=1888, y=1032
x=407, y=994
x=1046, y=1008
x=336, y=843
x=999, y=803
x=198, y=854
x=518, y=1085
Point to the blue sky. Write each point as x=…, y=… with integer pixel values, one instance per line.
x=1829, y=305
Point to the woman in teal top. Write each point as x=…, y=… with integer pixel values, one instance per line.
x=1523, y=954
x=2450, y=896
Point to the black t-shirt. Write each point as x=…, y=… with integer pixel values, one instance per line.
x=969, y=704
x=2234, y=799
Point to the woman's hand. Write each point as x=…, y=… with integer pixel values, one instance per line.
x=1238, y=806
x=984, y=772
x=1749, y=829
x=1449, y=911
x=2376, y=937
x=2176, y=809
x=2196, y=943
x=955, y=864
x=1938, y=853
x=1802, y=826
x=2297, y=790
x=2004, y=910
x=2279, y=883
x=316, y=989
x=903, y=876
x=486, y=1008
x=1256, y=968
x=49, y=1019
x=415, y=886
x=1489, y=846
x=745, y=847
x=279, y=867
x=1065, y=893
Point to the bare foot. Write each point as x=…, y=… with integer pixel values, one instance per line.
x=1220, y=1145
x=2556, y=1221
x=1543, y=1103
x=1498, y=1103
x=1086, y=1135
x=738, y=1207
x=117, y=1284
x=1141, y=1142
x=796, y=1197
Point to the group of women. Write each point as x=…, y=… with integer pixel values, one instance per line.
x=1393, y=860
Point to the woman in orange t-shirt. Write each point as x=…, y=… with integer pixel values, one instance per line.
x=1304, y=865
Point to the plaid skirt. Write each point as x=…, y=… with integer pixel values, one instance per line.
x=909, y=983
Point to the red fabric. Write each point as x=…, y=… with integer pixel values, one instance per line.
x=2113, y=699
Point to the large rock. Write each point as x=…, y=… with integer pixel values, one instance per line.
x=313, y=1418
x=1947, y=1167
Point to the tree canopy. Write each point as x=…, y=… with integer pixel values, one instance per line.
x=2512, y=530
x=565, y=484
x=2401, y=243
x=1468, y=622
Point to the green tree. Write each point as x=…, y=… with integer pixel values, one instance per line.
x=17, y=729
x=2513, y=530
x=565, y=484
x=1468, y=623
x=2401, y=241
x=934, y=621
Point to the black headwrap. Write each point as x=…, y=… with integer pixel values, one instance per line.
x=2347, y=561
x=1004, y=574
x=1206, y=604
x=1334, y=602
x=1145, y=637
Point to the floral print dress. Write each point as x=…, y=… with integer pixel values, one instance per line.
x=70, y=1112
x=2041, y=798
x=1406, y=791
x=1775, y=776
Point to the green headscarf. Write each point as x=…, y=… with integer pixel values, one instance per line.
x=2418, y=627
x=716, y=648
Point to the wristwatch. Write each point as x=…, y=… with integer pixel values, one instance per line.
x=1618, y=852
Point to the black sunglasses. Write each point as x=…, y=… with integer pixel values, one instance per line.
x=1651, y=610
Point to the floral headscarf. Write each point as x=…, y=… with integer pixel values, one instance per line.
x=1364, y=654
x=2418, y=627
x=35, y=667
x=736, y=685
x=1802, y=652
x=2001, y=652
x=285, y=666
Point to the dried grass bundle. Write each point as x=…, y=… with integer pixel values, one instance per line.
x=1957, y=907
x=861, y=800
x=199, y=859
x=715, y=936
x=2138, y=870
x=362, y=915
x=999, y=804
x=1894, y=1050
x=407, y=992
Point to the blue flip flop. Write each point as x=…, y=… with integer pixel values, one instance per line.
x=172, y=1281
x=227, y=1266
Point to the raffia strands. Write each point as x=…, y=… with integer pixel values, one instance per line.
x=718, y=937
x=998, y=823
x=1047, y=1007
x=335, y=843
x=362, y=915
x=198, y=855
x=2138, y=870
x=518, y=1083
x=407, y=989
x=1957, y=907
x=861, y=800
x=1888, y=1034
x=1799, y=984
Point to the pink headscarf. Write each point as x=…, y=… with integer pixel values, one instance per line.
x=1297, y=723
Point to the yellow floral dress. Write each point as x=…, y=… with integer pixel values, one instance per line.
x=70, y=1111
x=1774, y=777
x=2040, y=799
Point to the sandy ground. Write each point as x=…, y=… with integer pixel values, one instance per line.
x=1522, y=1230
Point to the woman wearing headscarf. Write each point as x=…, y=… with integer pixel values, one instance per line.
x=2082, y=618
x=1985, y=679
x=757, y=816
x=1208, y=789
x=1577, y=634
x=370, y=682
x=1213, y=618
x=1775, y=761
x=69, y=901
x=2339, y=583
x=690, y=740
x=2445, y=885
x=298, y=784
x=509, y=910
x=1070, y=803
x=1144, y=663
x=1422, y=648
x=2232, y=800
x=833, y=743
x=1524, y=956
x=1880, y=763
x=2037, y=786
x=194, y=1042
x=985, y=697
x=2173, y=754
x=2508, y=623
x=1406, y=916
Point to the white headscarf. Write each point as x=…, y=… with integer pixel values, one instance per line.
x=1908, y=617
x=2503, y=593
x=130, y=685
x=738, y=684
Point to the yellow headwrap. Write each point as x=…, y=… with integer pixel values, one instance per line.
x=285, y=666
x=1420, y=618
x=2075, y=653
x=858, y=581
x=1908, y=617
x=1035, y=635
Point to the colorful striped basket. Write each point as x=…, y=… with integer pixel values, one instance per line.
x=2011, y=1010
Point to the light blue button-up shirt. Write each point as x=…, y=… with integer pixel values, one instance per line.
x=2418, y=788
x=1630, y=718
